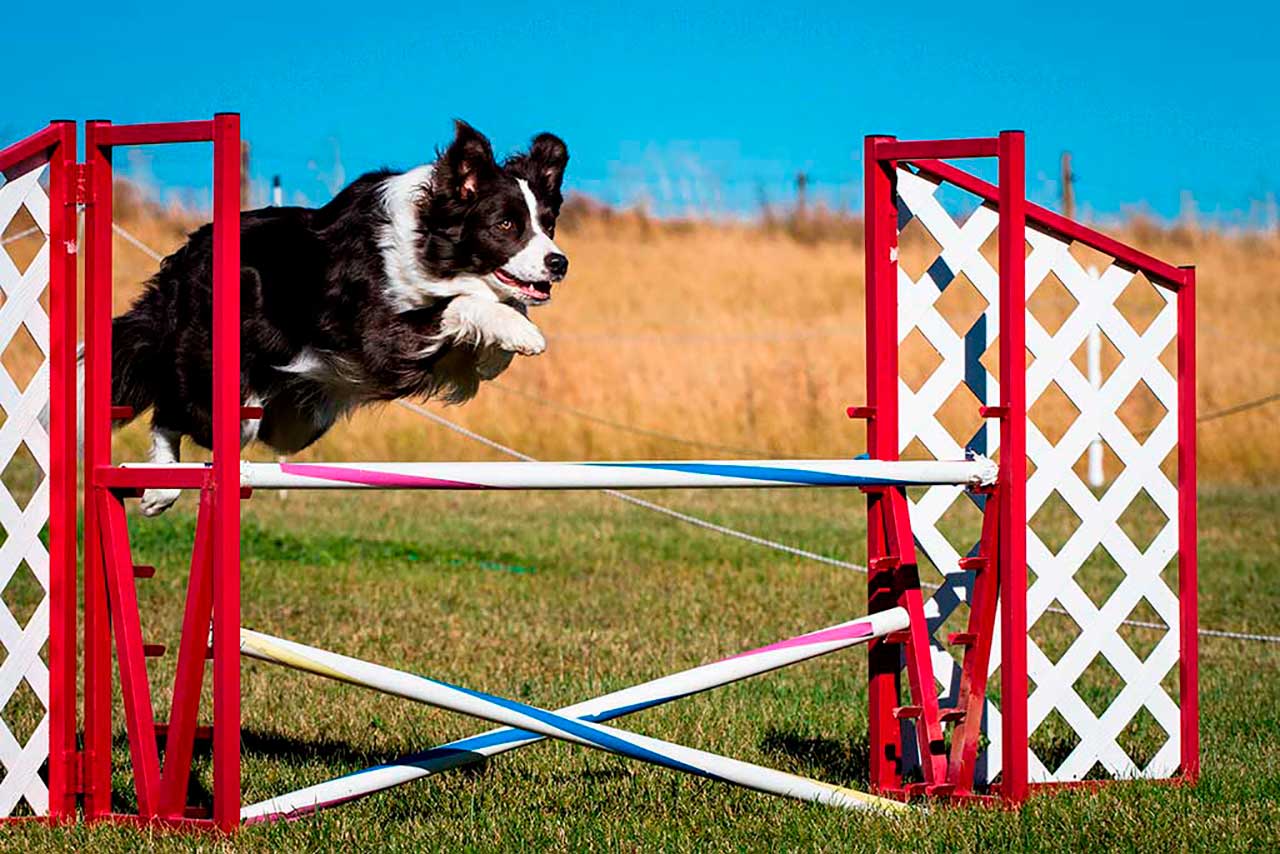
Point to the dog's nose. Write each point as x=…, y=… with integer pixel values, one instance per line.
x=557, y=265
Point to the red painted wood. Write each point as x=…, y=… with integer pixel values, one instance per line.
x=62, y=470
x=1013, y=465
x=189, y=678
x=39, y=144
x=978, y=639
x=1153, y=267
x=97, y=451
x=226, y=471
x=1188, y=592
x=135, y=687
x=160, y=133
x=924, y=693
x=122, y=477
x=882, y=443
x=940, y=149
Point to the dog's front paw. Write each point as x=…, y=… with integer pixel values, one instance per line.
x=156, y=501
x=525, y=339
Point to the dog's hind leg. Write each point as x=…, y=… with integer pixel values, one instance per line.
x=166, y=447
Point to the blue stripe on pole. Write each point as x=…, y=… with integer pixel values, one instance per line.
x=466, y=750
x=750, y=472
x=576, y=728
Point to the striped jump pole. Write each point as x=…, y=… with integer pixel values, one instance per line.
x=637, y=698
x=549, y=724
x=669, y=474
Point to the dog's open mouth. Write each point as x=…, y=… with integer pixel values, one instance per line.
x=534, y=290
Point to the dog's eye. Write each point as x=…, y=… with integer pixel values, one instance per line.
x=506, y=225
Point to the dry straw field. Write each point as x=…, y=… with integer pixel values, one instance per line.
x=749, y=338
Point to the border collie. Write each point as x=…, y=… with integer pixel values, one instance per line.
x=409, y=284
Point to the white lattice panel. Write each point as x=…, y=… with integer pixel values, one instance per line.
x=1087, y=300
x=24, y=492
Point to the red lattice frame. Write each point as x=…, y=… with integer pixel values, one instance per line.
x=41, y=415
x=895, y=303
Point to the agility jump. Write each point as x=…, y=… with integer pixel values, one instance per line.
x=944, y=694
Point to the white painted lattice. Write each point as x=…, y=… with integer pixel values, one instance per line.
x=1108, y=694
x=24, y=492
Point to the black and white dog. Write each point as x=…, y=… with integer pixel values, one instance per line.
x=406, y=284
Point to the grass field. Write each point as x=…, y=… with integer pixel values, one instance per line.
x=553, y=598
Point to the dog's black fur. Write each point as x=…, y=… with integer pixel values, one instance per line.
x=316, y=281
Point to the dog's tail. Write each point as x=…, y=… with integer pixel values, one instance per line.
x=134, y=362
x=133, y=355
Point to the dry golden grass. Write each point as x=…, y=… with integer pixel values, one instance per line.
x=751, y=338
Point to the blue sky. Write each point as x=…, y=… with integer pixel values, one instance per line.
x=700, y=107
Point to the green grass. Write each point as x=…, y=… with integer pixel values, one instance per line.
x=554, y=598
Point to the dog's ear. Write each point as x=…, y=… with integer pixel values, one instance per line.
x=467, y=162
x=548, y=157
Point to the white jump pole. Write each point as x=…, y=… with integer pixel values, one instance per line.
x=676, y=474
x=647, y=695
x=554, y=725
x=1097, y=477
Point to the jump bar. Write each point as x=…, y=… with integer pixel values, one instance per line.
x=674, y=474
x=656, y=692
x=555, y=725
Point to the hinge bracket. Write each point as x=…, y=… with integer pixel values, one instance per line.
x=84, y=187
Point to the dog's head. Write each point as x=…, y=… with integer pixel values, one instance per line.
x=496, y=221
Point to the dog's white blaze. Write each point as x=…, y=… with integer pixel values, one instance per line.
x=530, y=263
x=408, y=284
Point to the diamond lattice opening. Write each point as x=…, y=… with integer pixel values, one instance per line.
x=23, y=712
x=928, y=570
x=1142, y=738
x=990, y=248
x=915, y=450
x=1099, y=576
x=1055, y=632
x=961, y=524
x=917, y=249
x=1140, y=302
x=1169, y=356
x=917, y=360
x=1169, y=575
x=1171, y=684
x=23, y=594
x=1142, y=521
x=1109, y=466
x=959, y=416
x=1109, y=358
x=1169, y=465
x=1142, y=639
x=1090, y=259
x=1053, y=413
x=1054, y=522
x=22, y=239
x=22, y=475
x=961, y=304
x=1054, y=740
x=1051, y=303
x=1141, y=412
x=990, y=358
x=1099, y=685
x=22, y=357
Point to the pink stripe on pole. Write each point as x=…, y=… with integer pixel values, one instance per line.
x=837, y=633
x=369, y=477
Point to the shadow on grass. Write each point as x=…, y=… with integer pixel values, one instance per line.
x=845, y=760
x=300, y=752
